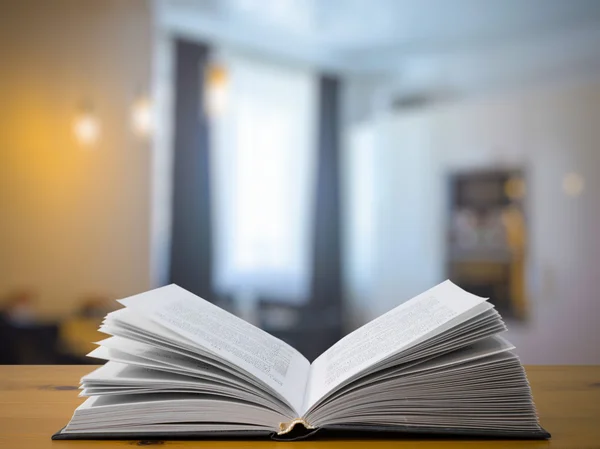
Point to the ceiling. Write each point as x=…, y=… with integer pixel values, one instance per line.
x=419, y=43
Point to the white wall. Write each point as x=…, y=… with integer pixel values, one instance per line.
x=551, y=130
x=73, y=221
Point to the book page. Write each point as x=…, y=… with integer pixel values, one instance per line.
x=112, y=413
x=167, y=357
x=396, y=330
x=265, y=357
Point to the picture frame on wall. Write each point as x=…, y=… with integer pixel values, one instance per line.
x=487, y=236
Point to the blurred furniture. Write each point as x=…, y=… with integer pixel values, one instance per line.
x=487, y=237
x=78, y=334
x=29, y=339
x=28, y=343
x=42, y=343
x=310, y=330
x=37, y=401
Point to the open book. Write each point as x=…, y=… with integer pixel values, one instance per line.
x=178, y=366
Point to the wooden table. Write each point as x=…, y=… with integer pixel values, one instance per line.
x=36, y=401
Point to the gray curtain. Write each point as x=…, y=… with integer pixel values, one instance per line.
x=191, y=247
x=327, y=277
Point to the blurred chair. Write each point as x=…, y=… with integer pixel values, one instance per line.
x=28, y=344
x=27, y=340
x=8, y=351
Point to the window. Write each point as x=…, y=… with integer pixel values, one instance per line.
x=263, y=158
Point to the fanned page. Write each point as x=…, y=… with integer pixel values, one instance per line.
x=232, y=339
x=416, y=321
x=178, y=365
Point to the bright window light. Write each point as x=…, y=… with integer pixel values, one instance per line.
x=263, y=155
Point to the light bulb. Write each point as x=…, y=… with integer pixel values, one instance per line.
x=86, y=128
x=216, y=90
x=142, y=117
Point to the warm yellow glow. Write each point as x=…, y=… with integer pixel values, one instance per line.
x=216, y=90
x=142, y=117
x=515, y=188
x=573, y=184
x=86, y=128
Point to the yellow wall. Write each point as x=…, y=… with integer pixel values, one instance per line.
x=73, y=221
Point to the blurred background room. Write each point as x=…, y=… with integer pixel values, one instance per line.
x=305, y=164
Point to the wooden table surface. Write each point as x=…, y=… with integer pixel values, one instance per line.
x=36, y=401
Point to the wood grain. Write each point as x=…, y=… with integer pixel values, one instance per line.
x=36, y=401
